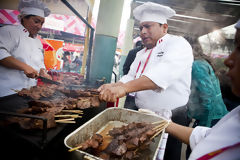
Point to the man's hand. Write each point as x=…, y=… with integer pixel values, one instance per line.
x=110, y=94
x=30, y=72
x=109, y=85
x=105, y=86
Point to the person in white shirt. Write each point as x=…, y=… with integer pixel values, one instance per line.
x=222, y=141
x=160, y=75
x=21, y=53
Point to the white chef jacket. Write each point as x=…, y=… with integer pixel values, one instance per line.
x=225, y=133
x=169, y=67
x=15, y=41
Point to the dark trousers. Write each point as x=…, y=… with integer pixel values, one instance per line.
x=174, y=146
x=130, y=103
x=188, y=151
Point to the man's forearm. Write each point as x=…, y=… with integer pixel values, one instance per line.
x=142, y=83
x=180, y=132
x=13, y=63
x=117, y=84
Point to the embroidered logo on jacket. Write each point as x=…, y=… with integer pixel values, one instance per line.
x=160, y=54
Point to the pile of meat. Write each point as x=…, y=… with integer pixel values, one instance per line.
x=67, y=78
x=70, y=99
x=37, y=92
x=127, y=142
x=49, y=100
x=46, y=109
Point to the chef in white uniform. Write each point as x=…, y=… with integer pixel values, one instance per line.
x=21, y=53
x=222, y=141
x=161, y=72
x=160, y=75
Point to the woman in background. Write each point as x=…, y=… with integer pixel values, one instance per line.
x=205, y=104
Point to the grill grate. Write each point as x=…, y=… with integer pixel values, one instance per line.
x=39, y=138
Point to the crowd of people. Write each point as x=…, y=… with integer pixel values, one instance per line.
x=165, y=74
x=70, y=65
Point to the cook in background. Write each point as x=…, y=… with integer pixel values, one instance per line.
x=21, y=53
x=160, y=75
x=222, y=141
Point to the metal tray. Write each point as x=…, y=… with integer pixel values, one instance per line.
x=109, y=118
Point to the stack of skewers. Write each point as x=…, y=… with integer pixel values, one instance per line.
x=127, y=142
x=69, y=117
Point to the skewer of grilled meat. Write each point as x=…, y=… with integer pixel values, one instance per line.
x=93, y=143
x=36, y=92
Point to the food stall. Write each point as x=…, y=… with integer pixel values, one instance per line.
x=33, y=133
x=45, y=140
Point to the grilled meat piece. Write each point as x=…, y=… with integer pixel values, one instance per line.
x=92, y=143
x=129, y=155
x=78, y=93
x=133, y=143
x=95, y=102
x=84, y=103
x=120, y=150
x=70, y=79
x=104, y=156
x=42, y=104
x=33, y=110
x=112, y=146
x=36, y=92
x=129, y=138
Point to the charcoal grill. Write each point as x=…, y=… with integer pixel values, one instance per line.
x=39, y=139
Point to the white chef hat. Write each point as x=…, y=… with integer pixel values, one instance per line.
x=33, y=7
x=153, y=12
x=238, y=24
